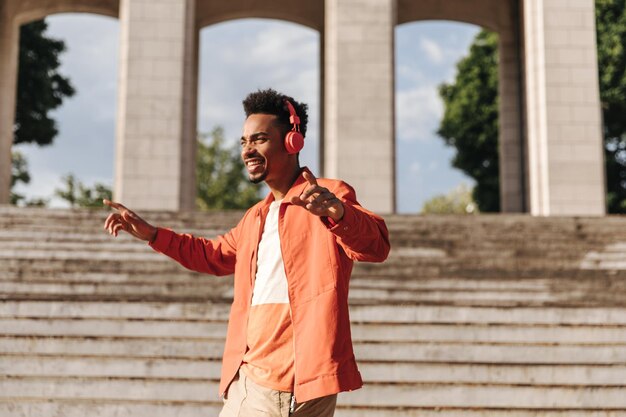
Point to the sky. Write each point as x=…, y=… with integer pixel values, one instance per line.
x=237, y=57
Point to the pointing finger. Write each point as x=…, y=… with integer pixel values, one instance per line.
x=309, y=177
x=114, y=205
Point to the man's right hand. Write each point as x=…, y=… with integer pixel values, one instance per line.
x=127, y=220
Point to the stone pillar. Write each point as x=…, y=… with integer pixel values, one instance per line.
x=510, y=140
x=9, y=48
x=566, y=158
x=359, y=98
x=156, y=132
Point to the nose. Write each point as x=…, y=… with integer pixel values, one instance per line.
x=246, y=149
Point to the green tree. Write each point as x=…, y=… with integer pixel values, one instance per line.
x=40, y=87
x=470, y=120
x=457, y=201
x=19, y=173
x=79, y=195
x=611, y=36
x=220, y=181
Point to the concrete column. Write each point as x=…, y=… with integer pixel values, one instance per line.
x=511, y=146
x=9, y=48
x=566, y=161
x=359, y=98
x=156, y=132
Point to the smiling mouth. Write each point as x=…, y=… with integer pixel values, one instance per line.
x=254, y=164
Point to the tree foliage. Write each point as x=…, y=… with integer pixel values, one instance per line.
x=40, y=87
x=470, y=120
x=457, y=201
x=19, y=173
x=220, y=181
x=79, y=195
x=611, y=35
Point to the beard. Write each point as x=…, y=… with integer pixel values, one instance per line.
x=260, y=178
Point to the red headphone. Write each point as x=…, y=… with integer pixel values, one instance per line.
x=294, y=141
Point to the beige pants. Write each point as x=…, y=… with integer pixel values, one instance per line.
x=247, y=399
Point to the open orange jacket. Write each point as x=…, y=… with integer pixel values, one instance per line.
x=318, y=257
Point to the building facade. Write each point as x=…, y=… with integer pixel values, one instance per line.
x=550, y=144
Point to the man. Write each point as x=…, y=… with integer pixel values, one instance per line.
x=288, y=347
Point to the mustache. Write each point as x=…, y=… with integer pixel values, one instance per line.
x=252, y=156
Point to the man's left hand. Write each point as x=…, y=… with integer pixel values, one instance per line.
x=318, y=200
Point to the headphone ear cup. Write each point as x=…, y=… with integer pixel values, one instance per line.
x=294, y=142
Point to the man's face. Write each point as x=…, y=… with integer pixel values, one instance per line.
x=262, y=148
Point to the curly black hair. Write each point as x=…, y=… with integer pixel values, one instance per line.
x=272, y=102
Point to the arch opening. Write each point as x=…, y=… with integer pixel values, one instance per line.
x=241, y=56
x=84, y=145
x=427, y=53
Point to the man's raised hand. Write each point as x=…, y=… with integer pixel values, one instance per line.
x=127, y=220
x=319, y=200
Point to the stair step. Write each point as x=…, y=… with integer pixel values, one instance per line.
x=442, y=352
x=143, y=389
x=390, y=314
x=113, y=347
x=76, y=407
x=28, y=365
x=372, y=394
x=82, y=408
x=488, y=396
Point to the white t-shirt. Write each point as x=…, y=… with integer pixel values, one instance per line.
x=270, y=285
x=269, y=359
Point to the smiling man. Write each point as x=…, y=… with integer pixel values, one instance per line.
x=288, y=348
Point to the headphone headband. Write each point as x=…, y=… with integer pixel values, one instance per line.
x=294, y=141
x=293, y=116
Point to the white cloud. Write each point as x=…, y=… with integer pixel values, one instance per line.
x=259, y=54
x=418, y=112
x=433, y=50
x=92, y=48
x=284, y=45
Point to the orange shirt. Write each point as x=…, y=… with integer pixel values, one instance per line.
x=318, y=258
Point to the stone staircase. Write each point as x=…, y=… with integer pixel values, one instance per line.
x=488, y=315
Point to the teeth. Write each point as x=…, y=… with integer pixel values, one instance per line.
x=251, y=163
